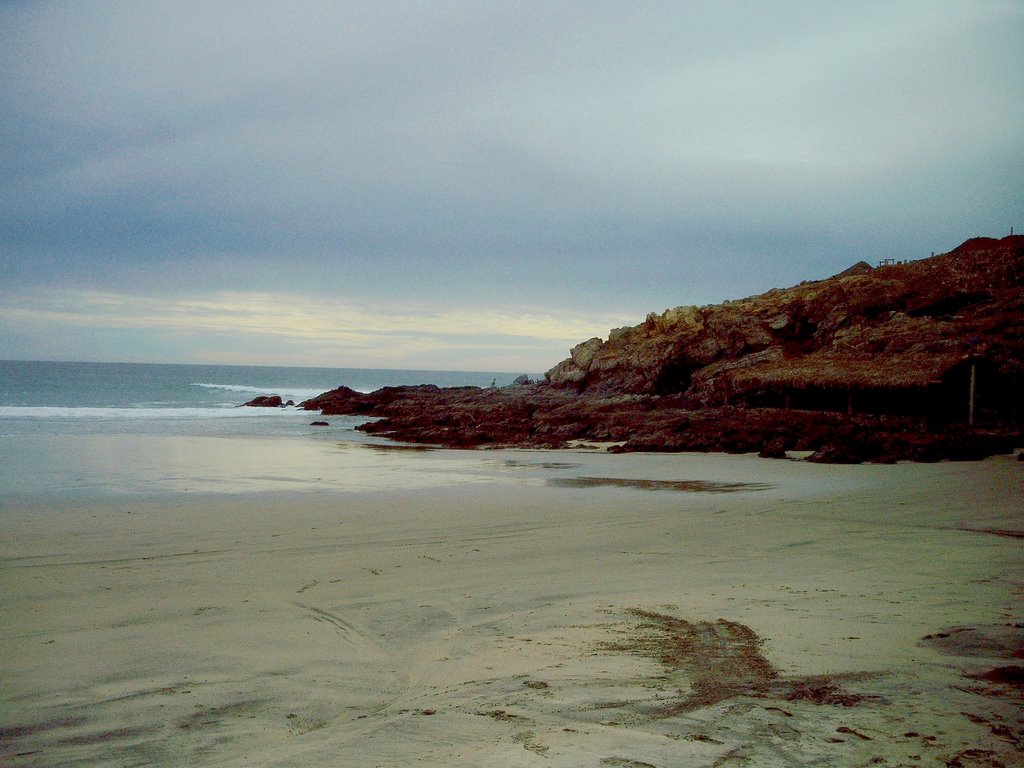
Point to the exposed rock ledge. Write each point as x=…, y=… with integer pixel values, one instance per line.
x=874, y=364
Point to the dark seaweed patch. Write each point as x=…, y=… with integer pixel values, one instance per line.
x=10, y=733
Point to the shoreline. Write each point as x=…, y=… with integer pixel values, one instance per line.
x=513, y=621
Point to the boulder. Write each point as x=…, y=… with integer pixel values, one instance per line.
x=583, y=354
x=265, y=401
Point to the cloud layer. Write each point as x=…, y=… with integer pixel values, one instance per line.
x=280, y=327
x=600, y=159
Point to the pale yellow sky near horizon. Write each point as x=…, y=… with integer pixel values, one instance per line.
x=303, y=330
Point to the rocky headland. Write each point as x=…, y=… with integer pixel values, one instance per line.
x=919, y=360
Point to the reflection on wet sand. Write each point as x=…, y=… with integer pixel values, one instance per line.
x=693, y=486
x=399, y=447
x=511, y=464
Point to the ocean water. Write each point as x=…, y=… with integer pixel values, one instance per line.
x=73, y=432
x=52, y=398
x=88, y=430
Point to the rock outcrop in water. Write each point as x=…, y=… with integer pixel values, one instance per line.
x=265, y=401
x=920, y=360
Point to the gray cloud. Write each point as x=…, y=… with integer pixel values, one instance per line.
x=635, y=156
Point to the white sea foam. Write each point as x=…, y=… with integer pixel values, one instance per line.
x=83, y=399
x=110, y=414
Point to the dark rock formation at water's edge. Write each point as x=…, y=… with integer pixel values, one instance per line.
x=920, y=360
x=266, y=401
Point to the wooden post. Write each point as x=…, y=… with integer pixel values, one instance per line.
x=970, y=396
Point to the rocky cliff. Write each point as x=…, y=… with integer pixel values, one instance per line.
x=933, y=311
x=918, y=360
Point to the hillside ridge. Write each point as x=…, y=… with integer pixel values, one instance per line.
x=967, y=301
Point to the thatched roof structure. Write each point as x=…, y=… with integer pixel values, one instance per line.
x=906, y=370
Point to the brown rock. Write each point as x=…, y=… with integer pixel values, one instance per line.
x=265, y=401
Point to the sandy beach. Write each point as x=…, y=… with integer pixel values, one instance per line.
x=515, y=608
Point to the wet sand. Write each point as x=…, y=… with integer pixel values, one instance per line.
x=541, y=609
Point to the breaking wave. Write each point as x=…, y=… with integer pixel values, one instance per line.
x=111, y=414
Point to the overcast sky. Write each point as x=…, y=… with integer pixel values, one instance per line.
x=475, y=185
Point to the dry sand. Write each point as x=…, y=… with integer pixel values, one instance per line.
x=839, y=616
